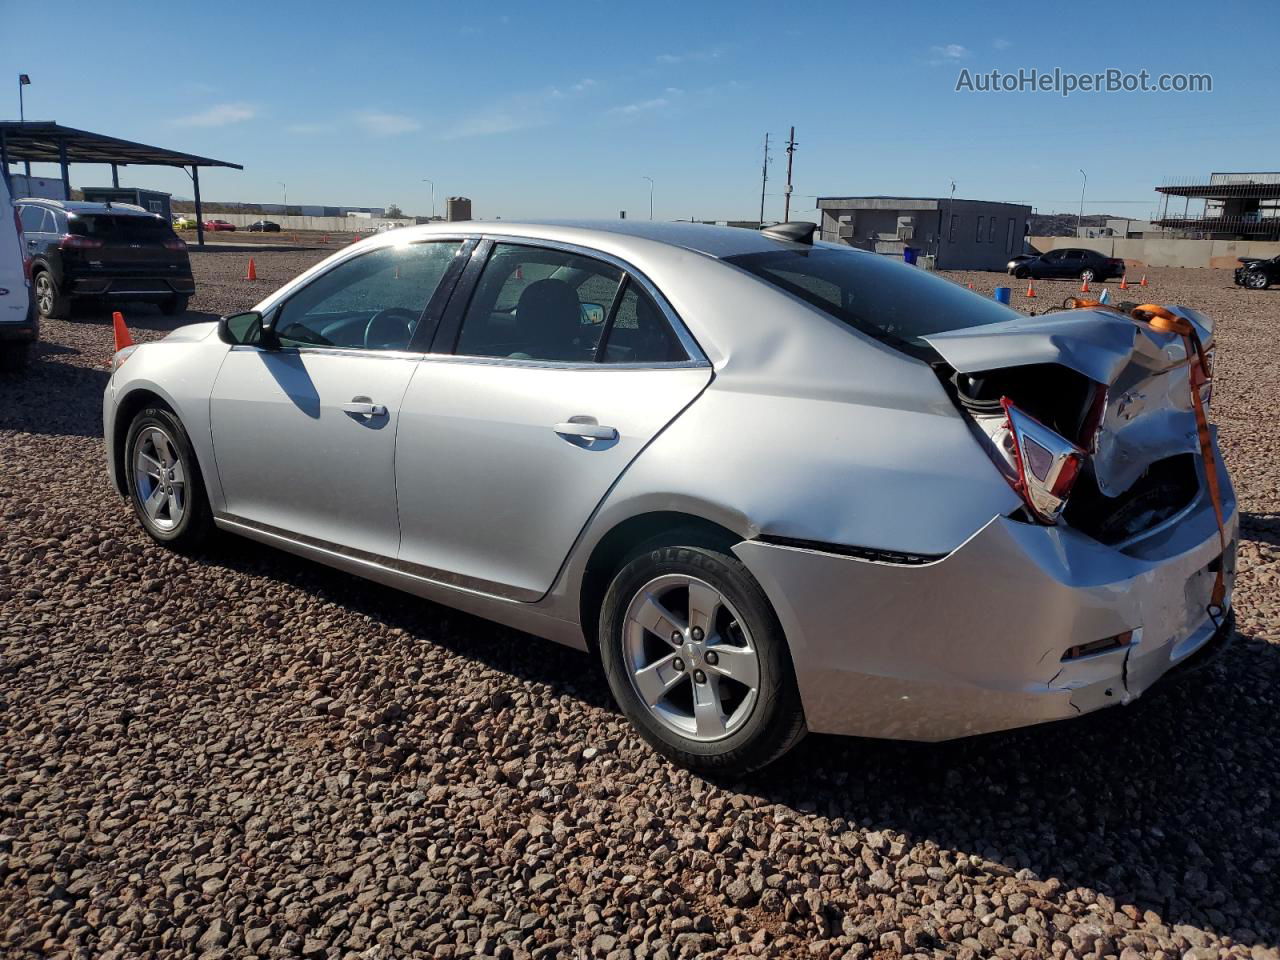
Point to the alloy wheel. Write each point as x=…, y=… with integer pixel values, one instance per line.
x=44, y=294
x=690, y=657
x=1256, y=280
x=1087, y=275
x=160, y=480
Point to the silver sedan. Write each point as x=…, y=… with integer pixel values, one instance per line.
x=774, y=485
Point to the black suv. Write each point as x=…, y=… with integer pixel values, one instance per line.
x=1256, y=273
x=1075, y=263
x=114, y=251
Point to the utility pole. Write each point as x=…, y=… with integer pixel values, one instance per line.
x=650, y=179
x=433, y=196
x=1080, y=215
x=764, y=177
x=786, y=202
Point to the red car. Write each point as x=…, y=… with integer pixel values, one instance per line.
x=218, y=225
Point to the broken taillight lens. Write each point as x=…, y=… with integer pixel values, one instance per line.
x=1045, y=463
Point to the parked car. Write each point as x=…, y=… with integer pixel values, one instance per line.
x=774, y=485
x=19, y=326
x=1069, y=263
x=184, y=221
x=1257, y=273
x=219, y=225
x=264, y=226
x=118, y=252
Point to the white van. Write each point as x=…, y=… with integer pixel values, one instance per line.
x=18, y=323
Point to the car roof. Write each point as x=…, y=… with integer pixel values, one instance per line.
x=713, y=241
x=85, y=207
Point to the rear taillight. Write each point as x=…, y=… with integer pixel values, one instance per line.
x=1045, y=464
x=175, y=243
x=74, y=241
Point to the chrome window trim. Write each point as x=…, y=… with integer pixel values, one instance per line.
x=333, y=351
x=562, y=364
x=692, y=349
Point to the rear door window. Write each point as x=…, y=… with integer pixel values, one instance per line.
x=534, y=303
x=639, y=333
x=34, y=220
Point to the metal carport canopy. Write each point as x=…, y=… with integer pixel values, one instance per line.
x=42, y=141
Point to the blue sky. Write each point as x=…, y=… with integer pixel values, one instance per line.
x=559, y=109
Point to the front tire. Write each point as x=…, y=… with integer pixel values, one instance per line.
x=164, y=482
x=1256, y=280
x=697, y=660
x=1021, y=273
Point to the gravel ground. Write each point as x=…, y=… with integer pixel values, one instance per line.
x=244, y=754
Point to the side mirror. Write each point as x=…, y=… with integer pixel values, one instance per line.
x=592, y=314
x=244, y=329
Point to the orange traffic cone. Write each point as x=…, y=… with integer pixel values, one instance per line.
x=1031, y=290
x=970, y=285
x=1123, y=283
x=325, y=238
x=252, y=272
x=1144, y=281
x=123, y=339
x=1084, y=286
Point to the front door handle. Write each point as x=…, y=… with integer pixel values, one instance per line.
x=364, y=407
x=586, y=428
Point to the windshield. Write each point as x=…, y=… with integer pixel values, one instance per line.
x=882, y=298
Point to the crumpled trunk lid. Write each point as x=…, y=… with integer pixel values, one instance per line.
x=1148, y=424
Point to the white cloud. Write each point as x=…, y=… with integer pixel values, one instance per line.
x=640, y=106
x=691, y=56
x=1000, y=43
x=519, y=111
x=219, y=115
x=386, y=124
x=305, y=129
x=952, y=51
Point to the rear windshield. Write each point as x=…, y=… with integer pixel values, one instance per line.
x=108, y=227
x=882, y=298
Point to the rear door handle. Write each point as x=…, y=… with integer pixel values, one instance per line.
x=364, y=407
x=586, y=428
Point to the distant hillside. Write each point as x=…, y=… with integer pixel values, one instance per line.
x=1064, y=224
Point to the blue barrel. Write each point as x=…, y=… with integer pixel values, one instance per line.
x=909, y=255
x=1002, y=294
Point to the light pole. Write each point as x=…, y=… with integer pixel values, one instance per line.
x=1080, y=216
x=284, y=191
x=650, y=179
x=23, y=81
x=433, y=196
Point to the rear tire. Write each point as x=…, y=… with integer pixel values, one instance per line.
x=724, y=698
x=51, y=302
x=164, y=482
x=1088, y=276
x=174, y=306
x=14, y=356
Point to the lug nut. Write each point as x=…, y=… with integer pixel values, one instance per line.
x=699, y=677
x=712, y=657
x=675, y=636
x=678, y=664
x=697, y=634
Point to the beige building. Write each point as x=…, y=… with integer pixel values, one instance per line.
x=962, y=234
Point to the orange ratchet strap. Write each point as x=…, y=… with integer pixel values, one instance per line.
x=1166, y=321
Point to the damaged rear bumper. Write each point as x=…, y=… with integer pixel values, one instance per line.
x=975, y=642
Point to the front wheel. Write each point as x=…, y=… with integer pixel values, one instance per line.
x=1256, y=280
x=697, y=660
x=164, y=481
x=1021, y=273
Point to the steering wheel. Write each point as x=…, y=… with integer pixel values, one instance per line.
x=392, y=326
